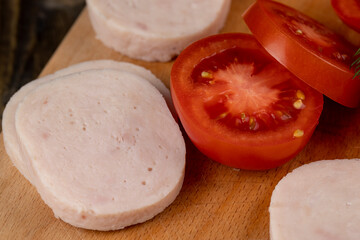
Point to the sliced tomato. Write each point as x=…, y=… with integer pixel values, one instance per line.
x=348, y=11
x=307, y=48
x=239, y=106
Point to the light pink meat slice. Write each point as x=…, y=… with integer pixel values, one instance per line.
x=8, y=122
x=318, y=201
x=104, y=148
x=155, y=30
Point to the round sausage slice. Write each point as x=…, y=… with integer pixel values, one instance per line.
x=104, y=149
x=155, y=30
x=8, y=123
x=318, y=201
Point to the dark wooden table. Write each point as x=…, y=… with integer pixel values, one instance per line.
x=30, y=31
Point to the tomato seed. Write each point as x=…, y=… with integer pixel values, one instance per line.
x=337, y=55
x=300, y=95
x=285, y=116
x=253, y=125
x=298, y=133
x=298, y=104
x=243, y=116
x=205, y=74
x=221, y=116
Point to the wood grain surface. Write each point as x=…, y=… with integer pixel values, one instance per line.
x=216, y=202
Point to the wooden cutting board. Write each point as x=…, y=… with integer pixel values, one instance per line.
x=216, y=202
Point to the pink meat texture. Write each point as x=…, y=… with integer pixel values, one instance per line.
x=8, y=123
x=155, y=30
x=101, y=155
x=318, y=201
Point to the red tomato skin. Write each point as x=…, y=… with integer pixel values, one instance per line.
x=336, y=82
x=235, y=154
x=349, y=12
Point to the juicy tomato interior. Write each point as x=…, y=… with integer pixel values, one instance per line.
x=245, y=92
x=313, y=34
x=239, y=106
x=309, y=50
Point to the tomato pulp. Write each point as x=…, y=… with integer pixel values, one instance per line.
x=239, y=106
x=307, y=48
x=349, y=12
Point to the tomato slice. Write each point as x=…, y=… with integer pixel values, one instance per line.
x=239, y=106
x=349, y=12
x=307, y=48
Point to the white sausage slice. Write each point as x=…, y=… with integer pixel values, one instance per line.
x=155, y=30
x=8, y=123
x=318, y=201
x=104, y=149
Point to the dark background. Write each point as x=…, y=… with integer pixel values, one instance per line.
x=30, y=31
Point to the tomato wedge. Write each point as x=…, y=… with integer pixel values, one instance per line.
x=239, y=106
x=307, y=48
x=349, y=12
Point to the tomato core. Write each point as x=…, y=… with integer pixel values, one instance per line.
x=245, y=92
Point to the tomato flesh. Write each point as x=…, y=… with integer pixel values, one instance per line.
x=230, y=97
x=239, y=106
x=349, y=12
x=307, y=48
